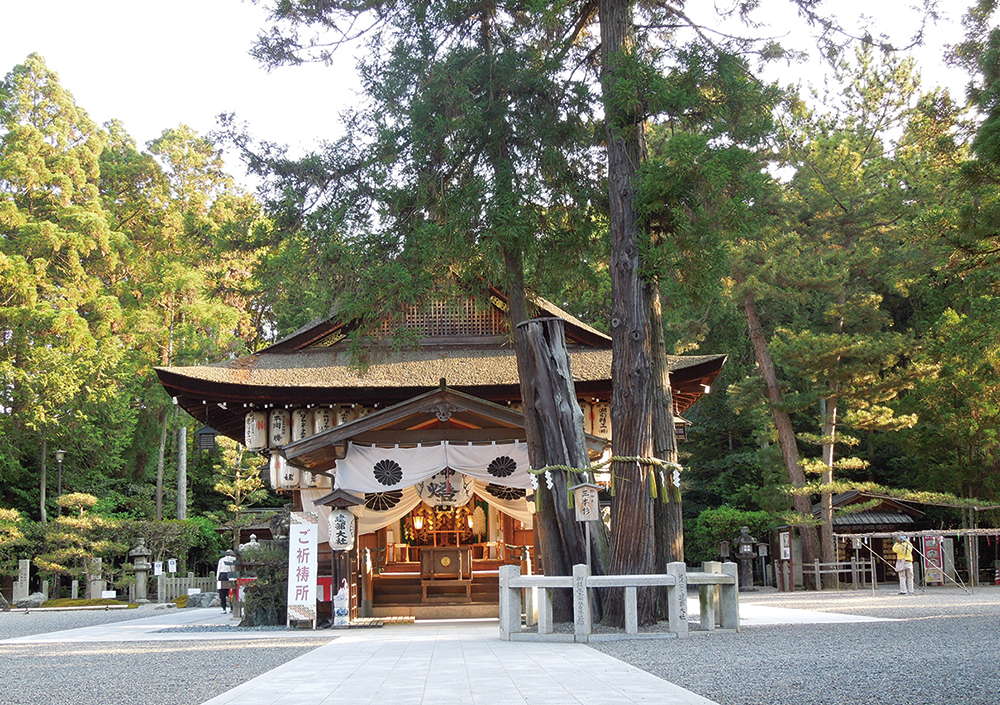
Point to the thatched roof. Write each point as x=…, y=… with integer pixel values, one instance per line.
x=315, y=366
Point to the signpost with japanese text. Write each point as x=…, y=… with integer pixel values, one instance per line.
x=588, y=509
x=302, y=567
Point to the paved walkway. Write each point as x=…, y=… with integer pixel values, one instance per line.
x=428, y=662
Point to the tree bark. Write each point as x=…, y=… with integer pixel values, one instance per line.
x=786, y=435
x=632, y=550
x=668, y=518
x=554, y=429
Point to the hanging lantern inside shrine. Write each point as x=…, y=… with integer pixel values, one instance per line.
x=341, y=527
x=281, y=428
x=345, y=413
x=287, y=475
x=255, y=430
x=302, y=424
x=324, y=418
x=588, y=416
x=602, y=419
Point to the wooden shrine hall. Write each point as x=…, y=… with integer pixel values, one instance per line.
x=430, y=439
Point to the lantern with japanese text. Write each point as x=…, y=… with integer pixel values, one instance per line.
x=281, y=428
x=302, y=424
x=287, y=475
x=324, y=419
x=341, y=526
x=602, y=419
x=255, y=430
x=345, y=413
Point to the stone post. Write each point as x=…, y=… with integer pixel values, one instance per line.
x=74, y=589
x=581, y=604
x=677, y=599
x=730, y=599
x=709, y=598
x=510, y=602
x=95, y=586
x=21, y=589
x=140, y=559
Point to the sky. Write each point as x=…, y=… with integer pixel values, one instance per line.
x=155, y=65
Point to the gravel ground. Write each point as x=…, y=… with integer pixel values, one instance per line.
x=945, y=649
x=174, y=672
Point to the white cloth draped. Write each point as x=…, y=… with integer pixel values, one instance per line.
x=374, y=469
x=368, y=469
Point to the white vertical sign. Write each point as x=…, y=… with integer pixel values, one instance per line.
x=302, y=567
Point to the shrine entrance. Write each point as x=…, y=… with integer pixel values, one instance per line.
x=447, y=556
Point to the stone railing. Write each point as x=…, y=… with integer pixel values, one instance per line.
x=718, y=589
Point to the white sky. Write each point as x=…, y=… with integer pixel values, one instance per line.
x=155, y=65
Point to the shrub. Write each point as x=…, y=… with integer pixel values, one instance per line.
x=712, y=526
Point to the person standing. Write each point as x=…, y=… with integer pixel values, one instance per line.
x=904, y=564
x=222, y=572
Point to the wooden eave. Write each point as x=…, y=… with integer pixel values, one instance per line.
x=223, y=401
x=393, y=425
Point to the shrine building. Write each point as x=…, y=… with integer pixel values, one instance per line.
x=430, y=439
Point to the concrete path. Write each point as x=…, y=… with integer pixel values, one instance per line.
x=427, y=662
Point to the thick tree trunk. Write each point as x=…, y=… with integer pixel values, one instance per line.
x=554, y=430
x=667, y=516
x=786, y=435
x=632, y=542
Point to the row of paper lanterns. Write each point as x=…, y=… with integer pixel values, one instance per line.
x=284, y=476
x=280, y=427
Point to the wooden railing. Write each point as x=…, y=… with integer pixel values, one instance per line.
x=861, y=572
x=169, y=588
x=724, y=583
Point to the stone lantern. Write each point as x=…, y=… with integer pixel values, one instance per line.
x=140, y=558
x=746, y=553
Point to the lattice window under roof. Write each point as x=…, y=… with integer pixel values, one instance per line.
x=445, y=318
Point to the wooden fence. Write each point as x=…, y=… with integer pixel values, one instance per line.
x=169, y=588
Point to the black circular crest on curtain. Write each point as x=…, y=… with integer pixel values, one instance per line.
x=383, y=501
x=504, y=466
x=387, y=472
x=508, y=494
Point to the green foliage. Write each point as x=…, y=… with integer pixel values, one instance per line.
x=703, y=536
x=266, y=597
x=74, y=539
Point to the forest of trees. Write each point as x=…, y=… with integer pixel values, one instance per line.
x=841, y=247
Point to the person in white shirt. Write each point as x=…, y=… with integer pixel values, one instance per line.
x=222, y=577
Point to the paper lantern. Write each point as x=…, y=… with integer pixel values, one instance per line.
x=255, y=430
x=602, y=419
x=323, y=419
x=588, y=416
x=287, y=475
x=281, y=428
x=345, y=413
x=341, y=527
x=302, y=424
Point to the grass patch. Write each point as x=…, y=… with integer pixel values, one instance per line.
x=99, y=602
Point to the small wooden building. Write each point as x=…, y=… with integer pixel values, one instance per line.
x=430, y=436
